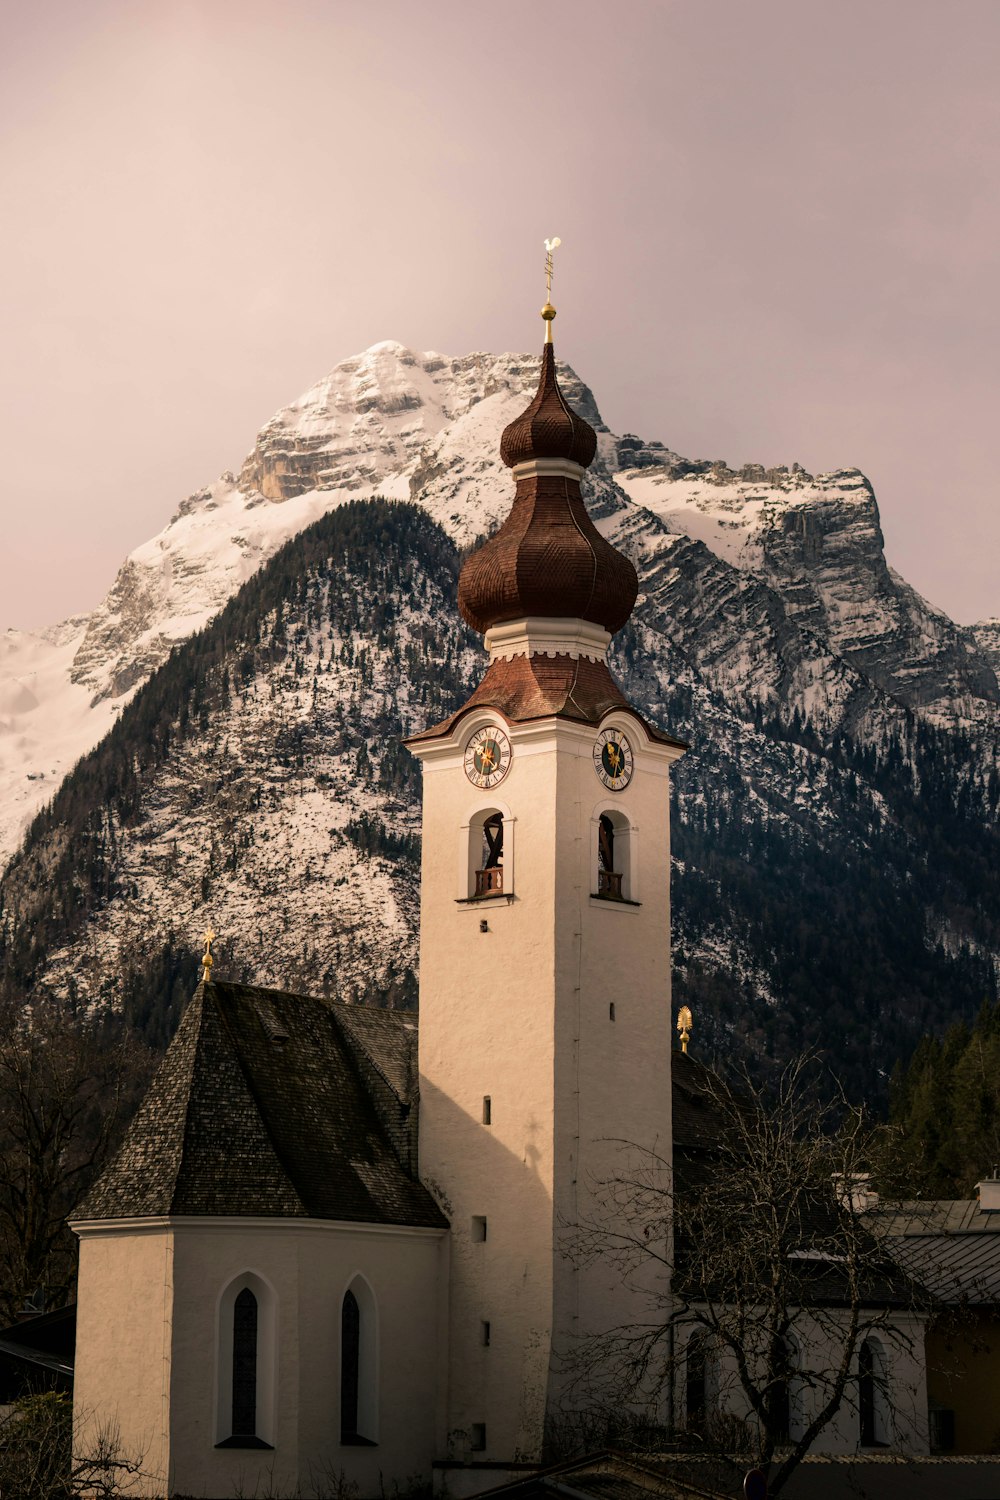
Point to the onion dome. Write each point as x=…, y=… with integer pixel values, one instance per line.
x=549, y=428
x=548, y=560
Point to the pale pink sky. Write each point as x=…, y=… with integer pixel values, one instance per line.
x=780, y=224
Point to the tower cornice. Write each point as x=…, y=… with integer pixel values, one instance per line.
x=547, y=636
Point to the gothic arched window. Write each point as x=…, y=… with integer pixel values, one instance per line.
x=358, y=1365
x=350, y=1358
x=780, y=1404
x=873, y=1397
x=696, y=1383
x=245, y=1364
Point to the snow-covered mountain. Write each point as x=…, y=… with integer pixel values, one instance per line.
x=845, y=732
x=388, y=422
x=425, y=427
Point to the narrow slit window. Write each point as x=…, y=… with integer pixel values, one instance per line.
x=486, y=1333
x=479, y=1229
x=487, y=1110
x=478, y=1437
x=245, y=1364
x=350, y=1361
x=611, y=1011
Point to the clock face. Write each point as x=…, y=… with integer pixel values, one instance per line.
x=487, y=756
x=613, y=759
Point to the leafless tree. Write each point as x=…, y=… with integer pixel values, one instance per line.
x=785, y=1315
x=37, y=1460
x=67, y=1084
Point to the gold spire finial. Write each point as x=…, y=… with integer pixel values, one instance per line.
x=548, y=311
x=206, y=957
x=684, y=1026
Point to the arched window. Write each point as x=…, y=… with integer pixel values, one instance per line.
x=695, y=1383
x=489, y=876
x=796, y=1389
x=358, y=1366
x=487, y=856
x=779, y=1395
x=245, y=1364
x=609, y=878
x=874, y=1411
x=350, y=1359
x=614, y=852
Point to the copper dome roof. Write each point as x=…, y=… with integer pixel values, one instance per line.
x=549, y=428
x=548, y=559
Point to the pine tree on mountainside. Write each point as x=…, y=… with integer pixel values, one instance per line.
x=806, y=878
x=945, y=1111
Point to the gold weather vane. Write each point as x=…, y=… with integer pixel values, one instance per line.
x=206, y=957
x=548, y=311
x=684, y=1026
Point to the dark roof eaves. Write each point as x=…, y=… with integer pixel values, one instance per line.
x=448, y=726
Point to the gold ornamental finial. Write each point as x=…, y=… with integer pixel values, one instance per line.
x=548, y=311
x=684, y=1026
x=206, y=957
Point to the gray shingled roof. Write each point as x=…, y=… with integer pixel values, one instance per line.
x=951, y=1246
x=700, y=1129
x=275, y=1105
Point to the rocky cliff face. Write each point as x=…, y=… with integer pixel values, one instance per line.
x=817, y=542
x=986, y=635
x=770, y=630
x=833, y=879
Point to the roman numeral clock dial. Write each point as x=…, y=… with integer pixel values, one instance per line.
x=613, y=759
x=487, y=756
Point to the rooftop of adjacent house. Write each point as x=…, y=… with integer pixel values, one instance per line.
x=951, y=1246
x=36, y=1353
x=685, y=1476
x=709, y=1140
x=275, y=1105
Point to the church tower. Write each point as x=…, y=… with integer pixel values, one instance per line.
x=544, y=947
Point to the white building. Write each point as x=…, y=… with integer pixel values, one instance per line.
x=323, y=1257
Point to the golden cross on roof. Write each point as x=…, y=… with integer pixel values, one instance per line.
x=208, y=938
x=548, y=311
x=684, y=1026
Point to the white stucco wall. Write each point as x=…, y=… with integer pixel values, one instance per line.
x=522, y=1013
x=308, y=1265
x=123, y=1356
x=902, y=1397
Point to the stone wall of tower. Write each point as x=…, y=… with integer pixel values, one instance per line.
x=521, y=1013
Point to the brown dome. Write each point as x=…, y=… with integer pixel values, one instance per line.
x=548, y=559
x=549, y=428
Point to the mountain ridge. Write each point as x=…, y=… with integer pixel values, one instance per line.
x=826, y=892
x=426, y=427
x=842, y=728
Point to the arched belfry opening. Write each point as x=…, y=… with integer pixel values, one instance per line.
x=489, y=876
x=609, y=877
x=614, y=857
x=488, y=856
